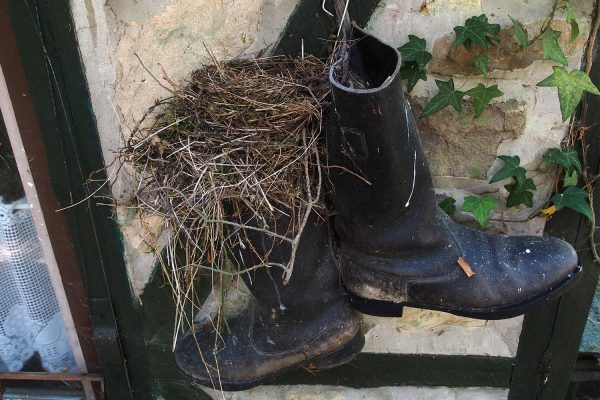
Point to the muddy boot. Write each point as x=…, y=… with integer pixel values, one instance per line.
x=305, y=323
x=396, y=247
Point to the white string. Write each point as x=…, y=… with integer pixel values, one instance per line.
x=343, y=17
x=413, y=183
x=324, y=9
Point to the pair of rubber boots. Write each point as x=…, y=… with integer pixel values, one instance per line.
x=393, y=247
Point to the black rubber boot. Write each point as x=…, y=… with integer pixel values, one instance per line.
x=396, y=247
x=306, y=323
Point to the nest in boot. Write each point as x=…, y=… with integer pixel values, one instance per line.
x=240, y=138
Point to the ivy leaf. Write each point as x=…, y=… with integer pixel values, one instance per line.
x=482, y=95
x=520, y=33
x=550, y=47
x=414, y=50
x=481, y=62
x=511, y=168
x=570, y=88
x=447, y=96
x=448, y=205
x=412, y=73
x=519, y=191
x=567, y=158
x=574, y=198
x=572, y=19
x=571, y=179
x=480, y=207
x=574, y=30
x=517, y=197
x=479, y=31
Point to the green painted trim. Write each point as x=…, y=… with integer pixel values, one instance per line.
x=376, y=370
x=50, y=54
x=310, y=23
x=549, y=342
x=158, y=311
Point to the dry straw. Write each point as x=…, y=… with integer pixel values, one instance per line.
x=231, y=151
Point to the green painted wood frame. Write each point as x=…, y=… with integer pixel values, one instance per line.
x=141, y=365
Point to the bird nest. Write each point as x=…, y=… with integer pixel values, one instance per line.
x=240, y=138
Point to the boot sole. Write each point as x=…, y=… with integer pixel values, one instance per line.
x=324, y=361
x=382, y=308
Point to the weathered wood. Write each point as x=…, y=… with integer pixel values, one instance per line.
x=158, y=312
x=50, y=56
x=45, y=376
x=374, y=370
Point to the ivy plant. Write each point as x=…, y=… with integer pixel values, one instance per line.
x=447, y=96
x=572, y=197
x=521, y=188
x=415, y=58
x=480, y=207
x=477, y=30
x=482, y=95
x=571, y=86
x=520, y=33
x=551, y=49
x=448, y=205
x=479, y=33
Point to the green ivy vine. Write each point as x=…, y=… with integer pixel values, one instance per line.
x=477, y=32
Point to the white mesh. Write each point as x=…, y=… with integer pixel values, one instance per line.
x=30, y=318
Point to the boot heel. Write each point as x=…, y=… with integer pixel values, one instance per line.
x=378, y=308
x=340, y=356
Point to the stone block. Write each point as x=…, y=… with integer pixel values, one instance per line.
x=458, y=144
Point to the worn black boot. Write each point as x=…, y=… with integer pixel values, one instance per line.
x=396, y=247
x=307, y=322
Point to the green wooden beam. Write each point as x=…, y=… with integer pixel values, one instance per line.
x=310, y=25
x=50, y=54
x=376, y=370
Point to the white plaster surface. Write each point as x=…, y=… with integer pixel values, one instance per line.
x=302, y=392
x=431, y=332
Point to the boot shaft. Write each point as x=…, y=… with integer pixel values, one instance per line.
x=372, y=133
x=315, y=279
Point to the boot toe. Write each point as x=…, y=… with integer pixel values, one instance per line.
x=227, y=361
x=196, y=353
x=544, y=261
x=513, y=274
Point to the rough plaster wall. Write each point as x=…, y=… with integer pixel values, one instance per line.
x=381, y=393
x=172, y=33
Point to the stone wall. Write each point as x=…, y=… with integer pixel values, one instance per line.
x=126, y=44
